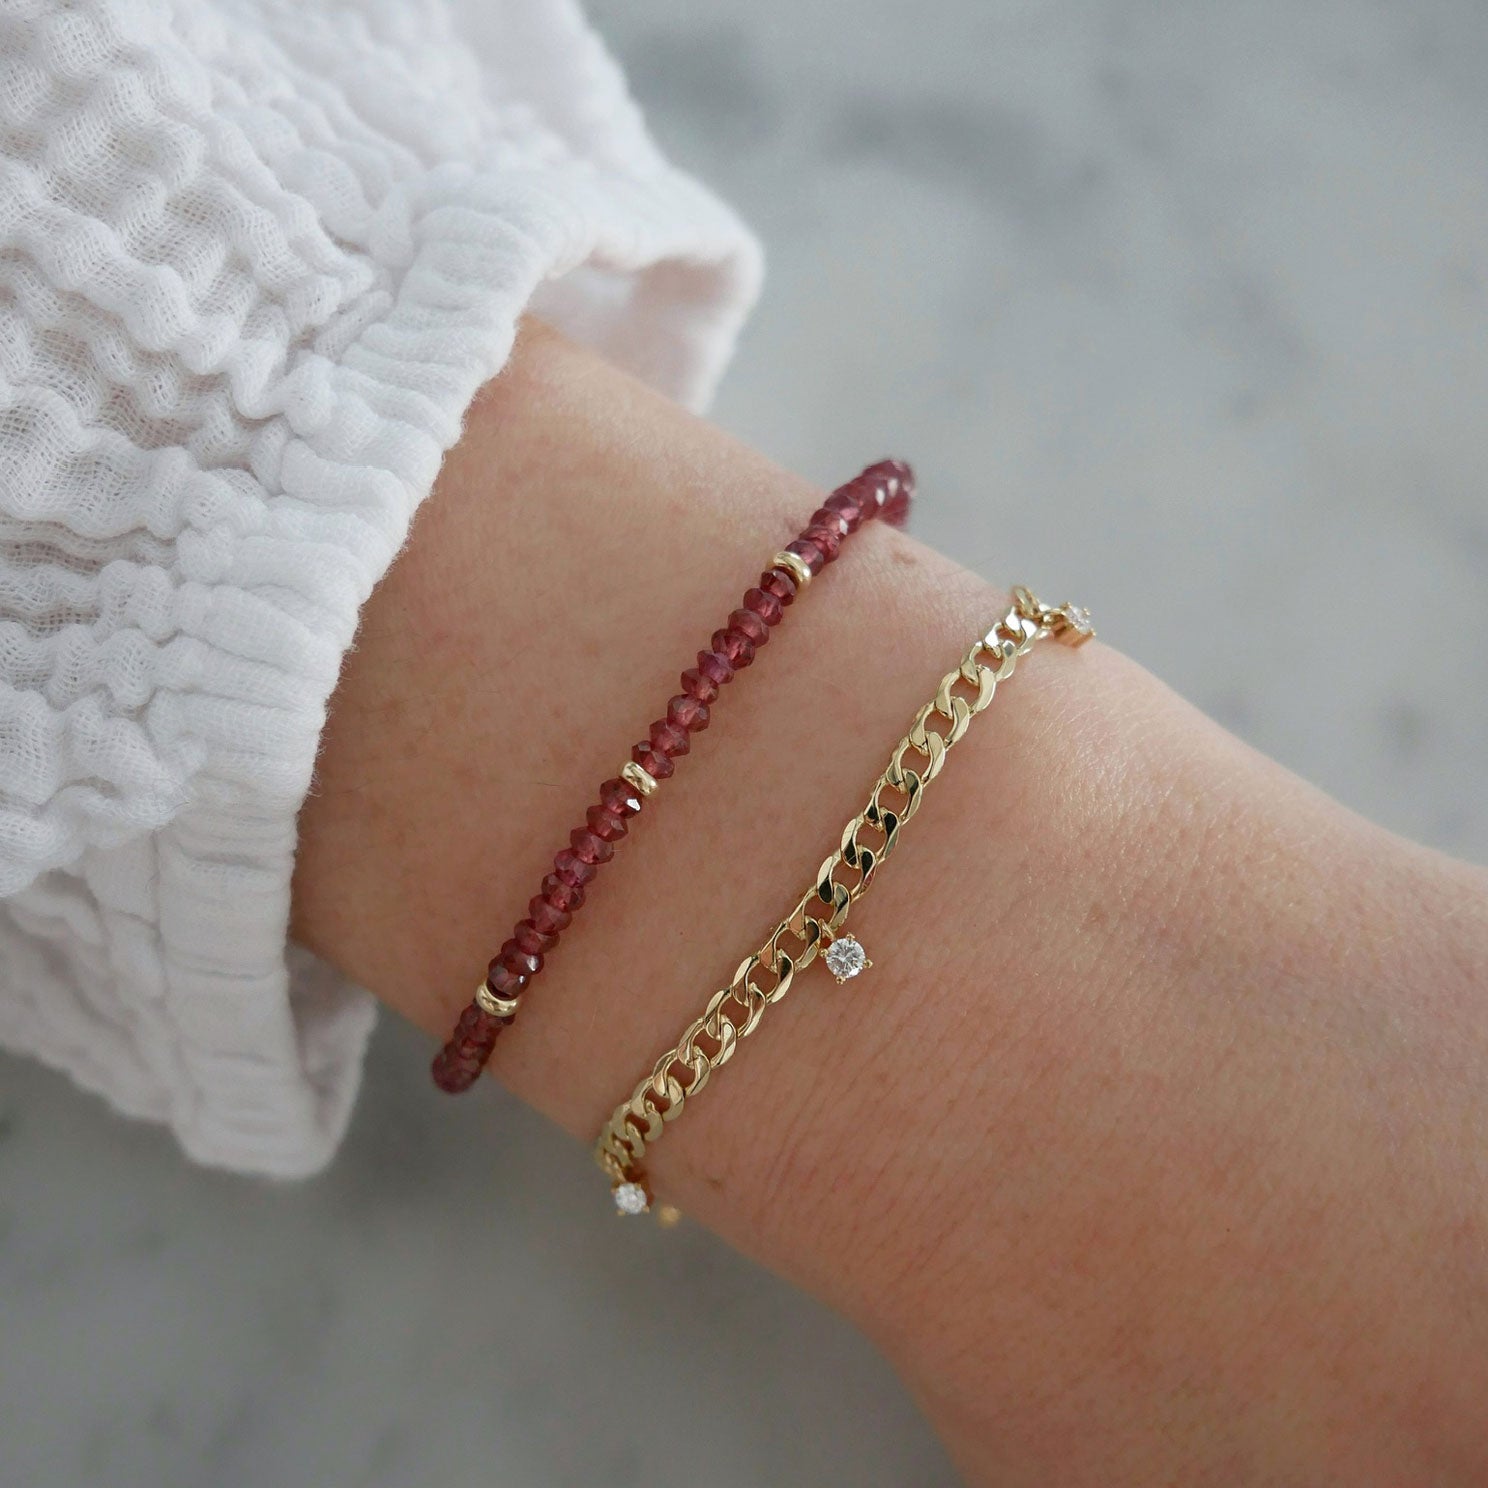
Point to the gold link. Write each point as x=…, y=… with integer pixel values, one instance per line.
x=734, y=1012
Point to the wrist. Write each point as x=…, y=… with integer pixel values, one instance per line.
x=1099, y=954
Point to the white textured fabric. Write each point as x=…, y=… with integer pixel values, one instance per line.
x=255, y=260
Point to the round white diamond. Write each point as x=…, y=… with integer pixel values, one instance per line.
x=845, y=957
x=630, y=1198
x=1079, y=616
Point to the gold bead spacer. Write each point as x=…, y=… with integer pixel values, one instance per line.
x=488, y=1002
x=794, y=565
x=634, y=775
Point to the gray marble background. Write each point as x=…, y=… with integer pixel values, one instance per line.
x=1180, y=309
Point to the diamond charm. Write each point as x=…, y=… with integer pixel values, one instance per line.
x=631, y=1198
x=846, y=957
x=1077, y=626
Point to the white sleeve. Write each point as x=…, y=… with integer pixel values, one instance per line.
x=256, y=256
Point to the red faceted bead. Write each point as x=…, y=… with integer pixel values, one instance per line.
x=735, y=648
x=668, y=739
x=847, y=507
x=778, y=582
x=531, y=939
x=652, y=761
x=620, y=797
x=895, y=511
x=892, y=483
x=695, y=685
x=824, y=516
x=715, y=666
x=687, y=713
x=548, y=917
x=514, y=958
x=590, y=846
x=572, y=869
x=504, y=980
x=766, y=606
x=747, y=623
x=894, y=475
x=561, y=894
x=450, y=1077
x=457, y=1066
x=828, y=539
x=808, y=553
x=605, y=824
x=476, y=1025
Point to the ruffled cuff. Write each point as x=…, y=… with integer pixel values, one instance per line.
x=258, y=260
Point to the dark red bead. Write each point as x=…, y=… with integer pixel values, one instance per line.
x=562, y=894
x=476, y=1025
x=668, y=739
x=828, y=539
x=590, y=846
x=514, y=958
x=808, y=553
x=449, y=1076
x=504, y=980
x=458, y=1064
x=652, y=761
x=747, y=623
x=620, y=797
x=715, y=666
x=605, y=824
x=894, y=475
x=825, y=517
x=895, y=510
x=687, y=713
x=778, y=582
x=892, y=483
x=530, y=938
x=766, y=606
x=695, y=685
x=548, y=918
x=735, y=648
x=847, y=506
x=572, y=869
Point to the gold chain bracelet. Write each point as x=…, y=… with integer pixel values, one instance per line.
x=814, y=925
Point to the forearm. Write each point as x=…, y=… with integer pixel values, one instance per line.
x=1166, y=1071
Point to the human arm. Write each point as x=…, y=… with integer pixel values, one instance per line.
x=1154, y=1145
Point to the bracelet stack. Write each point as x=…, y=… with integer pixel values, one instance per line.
x=814, y=926
x=883, y=490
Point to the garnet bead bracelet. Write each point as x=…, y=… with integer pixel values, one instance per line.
x=883, y=490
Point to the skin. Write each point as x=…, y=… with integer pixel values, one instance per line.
x=1154, y=1148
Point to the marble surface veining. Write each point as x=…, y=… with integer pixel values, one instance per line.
x=1180, y=310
